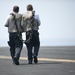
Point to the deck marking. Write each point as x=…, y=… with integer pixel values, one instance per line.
x=41, y=59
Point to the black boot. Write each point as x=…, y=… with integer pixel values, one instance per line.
x=35, y=59
x=16, y=62
x=29, y=61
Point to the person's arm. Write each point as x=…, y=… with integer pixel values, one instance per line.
x=7, y=22
x=22, y=20
x=37, y=17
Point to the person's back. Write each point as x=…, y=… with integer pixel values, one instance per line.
x=11, y=22
x=30, y=21
x=26, y=18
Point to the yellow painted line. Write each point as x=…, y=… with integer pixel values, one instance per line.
x=42, y=59
x=57, y=60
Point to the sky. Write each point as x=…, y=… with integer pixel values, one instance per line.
x=57, y=20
